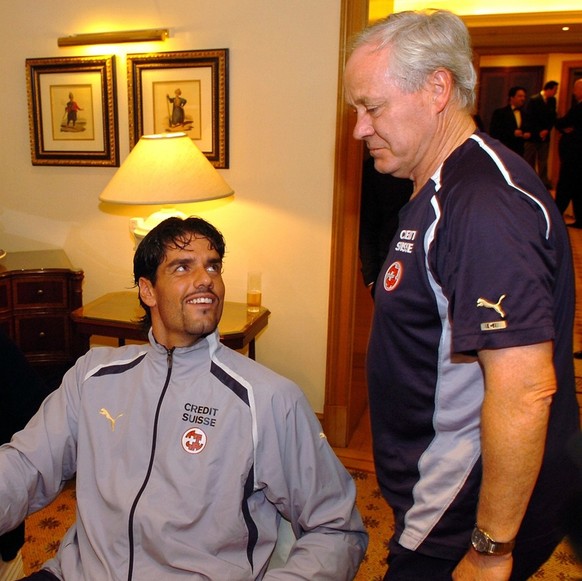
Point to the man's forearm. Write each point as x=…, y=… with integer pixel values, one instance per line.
x=513, y=444
x=519, y=384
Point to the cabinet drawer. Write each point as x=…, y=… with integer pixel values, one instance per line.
x=6, y=326
x=40, y=292
x=5, y=303
x=43, y=335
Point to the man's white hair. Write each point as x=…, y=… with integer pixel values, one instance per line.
x=422, y=42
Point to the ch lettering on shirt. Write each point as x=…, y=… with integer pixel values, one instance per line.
x=199, y=414
x=406, y=243
x=494, y=325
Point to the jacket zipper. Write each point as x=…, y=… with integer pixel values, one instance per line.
x=169, y=359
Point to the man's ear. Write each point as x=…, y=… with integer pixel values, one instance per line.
x=441, y=86
x=147, y=292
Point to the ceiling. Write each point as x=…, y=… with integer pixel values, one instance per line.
x=526, y=33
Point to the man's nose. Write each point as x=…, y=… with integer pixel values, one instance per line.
x=363, y=127
x=201, y=278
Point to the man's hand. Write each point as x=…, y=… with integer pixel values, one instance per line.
x=476, y=567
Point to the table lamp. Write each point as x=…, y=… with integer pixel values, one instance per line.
x=164, y=170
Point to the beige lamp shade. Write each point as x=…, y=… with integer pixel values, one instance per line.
x=162, y=170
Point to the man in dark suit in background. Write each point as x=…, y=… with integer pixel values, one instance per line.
x=569, y=186
x=506, y=122
x=540, y=117
x=382, y=197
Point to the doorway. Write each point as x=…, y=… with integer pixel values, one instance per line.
x=344, y=405
x=495, y=82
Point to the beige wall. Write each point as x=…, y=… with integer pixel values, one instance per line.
x=283, y=79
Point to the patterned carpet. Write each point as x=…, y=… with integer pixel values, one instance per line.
x=45, y=528
x=562, y=566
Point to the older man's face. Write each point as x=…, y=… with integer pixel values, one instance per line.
x=398, y=128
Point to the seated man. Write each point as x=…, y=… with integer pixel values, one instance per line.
x=21, y=393
x=187, y=453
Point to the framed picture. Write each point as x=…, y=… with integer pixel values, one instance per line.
x=72, y=111
x=181, y=91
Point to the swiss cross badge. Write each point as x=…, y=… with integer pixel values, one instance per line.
x=194, y=440
x=393, y=276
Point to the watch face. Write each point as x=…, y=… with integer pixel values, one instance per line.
x=480, y=542
x=485, y=545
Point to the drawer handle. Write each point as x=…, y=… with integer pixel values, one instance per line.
x=40, y=292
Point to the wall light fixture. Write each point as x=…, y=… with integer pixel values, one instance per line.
x=114, y=37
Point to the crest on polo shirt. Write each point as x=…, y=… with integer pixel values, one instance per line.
x=393, y=276
x=194, y=440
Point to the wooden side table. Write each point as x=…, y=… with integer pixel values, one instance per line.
x=38, y=290
x=117, y=315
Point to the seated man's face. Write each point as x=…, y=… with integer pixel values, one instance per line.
x=187, y=299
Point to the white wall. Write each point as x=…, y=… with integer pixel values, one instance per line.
x=282, y=86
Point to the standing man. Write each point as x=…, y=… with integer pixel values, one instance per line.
x=569, y=187
x=507, y=122
x=470, y=365
x=187, y=454
x=540, y=118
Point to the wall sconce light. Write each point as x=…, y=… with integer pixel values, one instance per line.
x=114, y=37
x=163, y=170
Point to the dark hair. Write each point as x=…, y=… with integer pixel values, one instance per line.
x=513, y=91
x=171, y=233
x=550, y=85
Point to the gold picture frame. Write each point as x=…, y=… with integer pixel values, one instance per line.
x=181, y=91
x=72, y=111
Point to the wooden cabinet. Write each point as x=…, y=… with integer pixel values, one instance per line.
x=38, y=291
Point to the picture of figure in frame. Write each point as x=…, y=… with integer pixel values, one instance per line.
x=72, y=112
x=177, y=107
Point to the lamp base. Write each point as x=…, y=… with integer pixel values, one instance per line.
x=139, y=227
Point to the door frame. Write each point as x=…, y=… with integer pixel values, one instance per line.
x=339, y=415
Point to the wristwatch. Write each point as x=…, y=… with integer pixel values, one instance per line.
x=485, y=545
